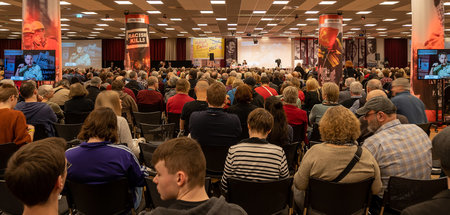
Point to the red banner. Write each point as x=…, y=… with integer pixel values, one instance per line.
x=330, y=51
x=137, y=46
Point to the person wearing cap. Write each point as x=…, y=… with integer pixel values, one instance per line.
x=402, y=150
x=40, y=41
x=27, y=37
x=407, y=104
x=439, y=204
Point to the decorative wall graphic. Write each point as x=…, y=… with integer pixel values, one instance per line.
x=331, y=49
x=230, y=50
x=137, y=45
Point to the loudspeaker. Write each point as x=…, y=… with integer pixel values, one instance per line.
x=377, y=56
x=211, y=56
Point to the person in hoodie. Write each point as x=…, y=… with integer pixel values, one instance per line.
x=36, y=112
x=181, y=168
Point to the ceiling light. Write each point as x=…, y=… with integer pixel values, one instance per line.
x=301, y=24
x=16, y=20
x=264, y=32
x=370, y=25
x=231, y=24
x=123, y=29
x=164, y=37
x=266, y=19
x=389, y=3
x=355, y=29
x=4, y=3
x=153, y=12
x=107, y=19
x=14, y=35
x=102, y=25
x=447, y=29
x=117, y=37
x=312, y=12
x=206, y=11
x=155, y=2
x=91, y=35
x=370, y=37
x=123, y=2
x=71, y=32
x=4, y=29
x=280, y=2
x=344, y=24
x=202, y=35
x=364, y=12
x=407, y=25
x=293, y=29
x=347, y=19
x=170, y=29
x=259, y=12
x=217, y=2
x=231, y=29
x=381, y=29
x=221, y=19
x=312, y=19
x=271, y=24
x=180, y=35
x=409, y=13
x=64, y=25
x=175, y=19
x=288, y=32
x=207, y=32
x=162, y=24
x=406, y=32
x=258, y=29
x=151, y=32
x=446, y=3
x=95, y=32
x=64, y=20
x=89, y=13
x=64, y=3
x=202, y=24
x=16, y=32
x=240, y=32
x=98, y=29
x=389, y=20
x=183, y=32
x=196, y=29
x=327, y=2
x=64, y=29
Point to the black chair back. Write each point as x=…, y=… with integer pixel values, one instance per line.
x=174, y=118
x=265, y=197
x=290, y=150
x=40, y=132
x=145, y=108
x=215, y=159
x=357, y=197
x=147, y=118
x=403, y=192
x=299, y=132
x=152, y=132
x=67, y=131
x=75, y=117
x=6, y=151
x=425, y=127
x=315, y=134
x=146, y=153
x=109, y=198
x=8, y=202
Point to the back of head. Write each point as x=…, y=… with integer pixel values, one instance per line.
x=375, y=93
x=44, y=90
x=237, y=82
x=110, y=99
x=34, y=169
x=202, y=85
x=152, y=80
x=77, y=90
x=356, y=88
x=260, y=120
x=183, y=86
x=290, y=95
x=441, y=148
x=339, y=125
x=349, y=81
x=374, y=84
x=193, y=74
x=216, y=94
x=401, y=82
x=312, y=84
x=101, y=123
x=133, y=75
x=6, y=91
x=117, y=85
x=95, y=81
x=265, y=80
x=7, y=81
x=348, y=64
x=243, y=94
x=27, y=89
x=172, y=81
x=331, y=91
x=183, y=154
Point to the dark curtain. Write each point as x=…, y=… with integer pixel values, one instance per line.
x=113, y=50
x=158, y=49
x=396, y=52
x=181, y=49
x=9, y=44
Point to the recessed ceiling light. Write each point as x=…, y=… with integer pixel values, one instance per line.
x=151, y=32
x=288, y=32
x=301, y=24
x=266, y=19
x=16, y=32
x=155, y=2
x=4, y=29
x=232, y=24
x=107, y=19
x=355, y=29
x=196, y=29
x=98, y=29
x=231, y=29
x=364, y=12
x=180, y=35
x=123, y=29
x=344, y=24
x=123, y=2
x=207, y=32
x=202, y=35
x=64, y=3
x=389, y=3
x=370, y=37
x=312, y=12
x=407, y=25
x=102, y=25
x=16, y=20
x=447, y=29
x=4, y=3
x=64, y=29
x=271, y=24
x=64, y=20
x=153, y=12
x=89, y=13
x=221, y=19
x=258, y=29
x=327, y=2
x=447, y=3
x=162, y=24
x=202, y=24
x=64, y=25
x=280, y=2
x=381, y=29
x=312, y=19
x=206, y=11
x=406, y=32
x=259, y=12
x=293, y=29
x=117, y=37
x=370, y=25
x=95, y=32
x=71, y=32
x=346, y=19
x=183, y=32
x=170, y=29
x=409, y=13
x=175, y=19
x=389, y=20
x=164, y=37
x=240, y=32
x=91, y=35
x=217, y=2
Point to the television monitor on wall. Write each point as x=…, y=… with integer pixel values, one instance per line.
x=433, y=64
x=22, y=65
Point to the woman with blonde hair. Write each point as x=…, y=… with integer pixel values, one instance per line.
x=312, y=94
x=112, y=100
x=330, y=97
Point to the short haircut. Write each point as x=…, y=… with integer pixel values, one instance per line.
x=64, y=82
x=331, y=91
x=349, y=81
x=202, y=85
x=183, y=154
x=34, y=169
x=44, y=90
x=193, y=74
x=182, y=85
x=375, y=93
x=260, y=120
x=6, y=91
x=96, y=81
x=339, y=125
x=312, y=84
x=374, y=84
x=386, y=73
x=27, y=89
x=237, y=83
x=133, y=74
x=356, y=88
x=401, y=82
x=101, y=123
x=152, y=80
x=77, y=90
x=172, y=81
x=290, y=95
x=216, y=94
x=265, y=80
x=243, y=94
x=111, y=99
x=117, y=85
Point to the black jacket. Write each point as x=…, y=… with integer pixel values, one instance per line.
x=78, y=105
x=439, y=205
x=93, y=93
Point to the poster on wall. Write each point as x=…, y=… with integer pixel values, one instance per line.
x=362, y=53
x=202, y=47
x=137, y=45
x=371, y=53
x=331, y=50
x=41, y=29
x=230, y=51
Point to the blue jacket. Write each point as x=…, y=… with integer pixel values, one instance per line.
x=411, y=107
x=38, y=113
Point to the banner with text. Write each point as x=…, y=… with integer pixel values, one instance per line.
x=202, y=47
x=137, y=45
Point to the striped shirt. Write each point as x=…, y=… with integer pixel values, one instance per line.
x=255, y=159
x=402, y=150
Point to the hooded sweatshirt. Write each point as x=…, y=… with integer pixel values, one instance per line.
x=210, y=207
x=38, y=113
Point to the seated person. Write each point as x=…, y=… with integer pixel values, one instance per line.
x=46, y=92
x=242, y=107
x=61, y=94
x=339, y=128
x=128, y=103
x=98, y=159
x=254, y=158
x=39, y=163
x=330, y=97
x=37, y=113
x=199, y=104
x=181, y=168
x=282, y=133
x=295, y=116
x=175, y=103
x=150, y=100
x=356, y=100
x=13, y=125
x=78, y=102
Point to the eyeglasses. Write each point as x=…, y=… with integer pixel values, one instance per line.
x=368, y=114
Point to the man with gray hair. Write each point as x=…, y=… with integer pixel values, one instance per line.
x=150, y=100
x=373, y=84
x=407, y=104
x=46, y=92
x=143, y=78
x=345, y=94
x=133, y=84
x=94, y=88
x=356, y=100
x=61, y=94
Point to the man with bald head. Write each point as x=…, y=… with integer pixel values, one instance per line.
x=198, y=105
x=373, y=84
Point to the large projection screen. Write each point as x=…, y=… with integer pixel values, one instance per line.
x=82, y=53
x=265, y=52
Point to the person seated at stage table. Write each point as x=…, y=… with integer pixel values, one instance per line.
x=150, y=100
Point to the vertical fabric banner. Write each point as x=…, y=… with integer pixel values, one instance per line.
x=371, y=53
x=137, y=45
x=41, y=30
x=330, y=48
x=230, y=50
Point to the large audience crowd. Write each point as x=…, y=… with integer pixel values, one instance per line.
x=252, y=112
